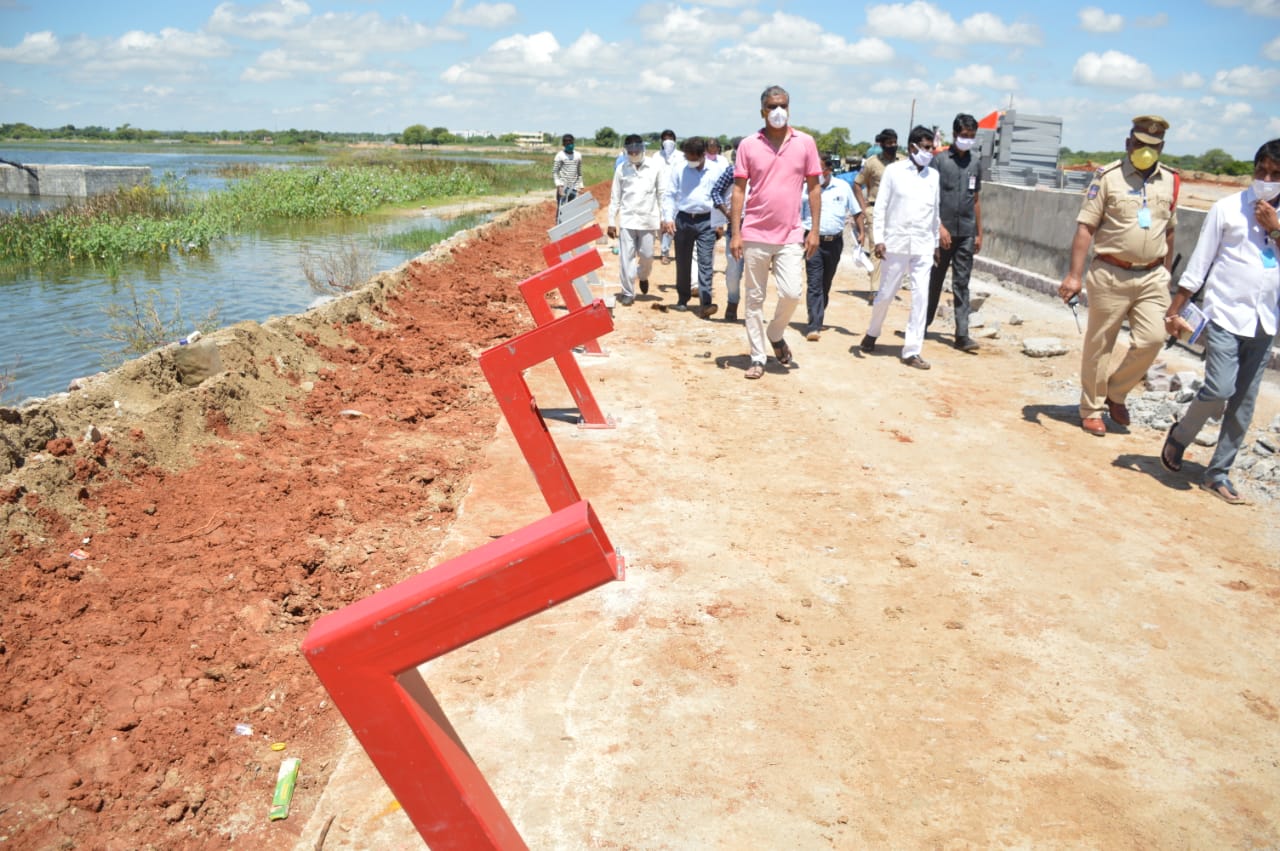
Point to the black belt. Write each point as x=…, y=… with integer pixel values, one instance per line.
x=694, y=217
x=831, y=238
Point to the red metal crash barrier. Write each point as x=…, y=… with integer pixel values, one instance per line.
x=560, y=277
x=368, y=653
x=566, y=249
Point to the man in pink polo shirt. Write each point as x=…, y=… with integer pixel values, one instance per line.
x=776, y=162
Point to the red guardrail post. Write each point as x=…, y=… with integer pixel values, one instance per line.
x=560, y=251
x=367, y=655
x=534, y=290
x=504, y=366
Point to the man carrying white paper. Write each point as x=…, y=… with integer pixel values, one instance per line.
x=1236, y=262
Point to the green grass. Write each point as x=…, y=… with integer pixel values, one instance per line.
x=163, y=218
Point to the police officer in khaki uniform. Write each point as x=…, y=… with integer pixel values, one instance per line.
x=866, y=186
x=1129, y=214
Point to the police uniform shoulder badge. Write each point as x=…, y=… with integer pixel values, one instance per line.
x=1093, y=190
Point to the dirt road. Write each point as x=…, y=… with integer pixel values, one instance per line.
x=865, y=606
x=868, y=606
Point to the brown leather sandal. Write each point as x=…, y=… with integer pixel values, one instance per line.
x=755, y=371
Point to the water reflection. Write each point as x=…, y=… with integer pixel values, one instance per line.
x=53, y=322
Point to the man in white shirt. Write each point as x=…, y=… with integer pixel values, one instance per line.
x=905, y=234
x=634, y=215
x=1235, y=260
x=667, y=157
x=838, y=207
x=686, y=216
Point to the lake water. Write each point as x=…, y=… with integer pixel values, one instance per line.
x=54, y=323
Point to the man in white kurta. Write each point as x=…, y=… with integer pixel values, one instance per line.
x=905, y=234
x=634, y=214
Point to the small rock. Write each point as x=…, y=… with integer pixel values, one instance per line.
x=977, y=320
x=1270, y=444
x=60, y=446
x=1043, y=347
x=1264, y=469
x=977, y=298
x=92, y=435
x=1184, y=379
x=1015, y=319
x=1208, y=436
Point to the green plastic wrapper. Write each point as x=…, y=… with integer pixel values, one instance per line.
x=285, y=781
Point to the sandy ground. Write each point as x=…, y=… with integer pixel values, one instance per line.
x=865, y=606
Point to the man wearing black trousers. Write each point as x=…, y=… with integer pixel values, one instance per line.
x=960, y=236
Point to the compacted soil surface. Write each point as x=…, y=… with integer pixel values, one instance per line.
x=864, y=606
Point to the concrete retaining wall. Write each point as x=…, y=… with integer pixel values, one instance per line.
x=1027, y=233
x=1032, y=228
x=74, y=181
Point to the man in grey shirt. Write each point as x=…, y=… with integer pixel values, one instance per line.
x=960, y=237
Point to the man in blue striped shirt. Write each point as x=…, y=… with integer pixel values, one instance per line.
x=686, y=216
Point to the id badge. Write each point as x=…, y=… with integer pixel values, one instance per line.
x=1144, y=218
x=1268, y=258
x=973, y=182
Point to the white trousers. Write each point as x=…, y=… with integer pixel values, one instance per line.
x=635, y=258
x=787, y=264
x=893, y=269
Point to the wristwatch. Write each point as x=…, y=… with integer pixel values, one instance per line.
x=1275, y=236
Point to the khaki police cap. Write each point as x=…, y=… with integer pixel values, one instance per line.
x=1149, y=129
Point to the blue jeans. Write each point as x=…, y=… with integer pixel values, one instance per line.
x=732, y=270
x=1233, y=371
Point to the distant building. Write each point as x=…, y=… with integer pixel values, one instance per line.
x=473, y=134
x=530, y=140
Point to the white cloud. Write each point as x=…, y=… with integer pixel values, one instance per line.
x=1095, y=20
x=264, y=21
x=1246, y=81
x=281, y=64
x=923, y=21
x=35, y=49
x=692, y=26
x=367, y=78
x=1236, y=112
x=158, y=91
x=484, y=15
x=1112, y=69
x=1273, y=126
x=985, y=75
x=652, y=81
x=170, y=51
x=1190, y=80
x=1151, y=22
x=1272, y=50
x=1266, y=8
x=773, y=43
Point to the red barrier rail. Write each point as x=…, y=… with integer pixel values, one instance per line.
x=534, y=289
x=367, y=656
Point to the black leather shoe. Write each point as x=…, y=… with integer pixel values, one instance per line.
x=731, y=313
x=644, y=288
x=967, y=344
x=868, y=344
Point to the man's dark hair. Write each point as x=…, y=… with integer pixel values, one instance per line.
x=566, y=139
x=667, y=134
x=694, y=146
x=885, y=135
x=632, y=139
x=964, y=121
x=712, y=140
x=1269, y=151
x=774, y=91
x=918, y=134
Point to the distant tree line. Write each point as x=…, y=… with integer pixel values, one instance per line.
x=1213, y=161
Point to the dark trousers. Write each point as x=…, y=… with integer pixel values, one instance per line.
x=691, y=232
x=820, y=269
x=960, y=258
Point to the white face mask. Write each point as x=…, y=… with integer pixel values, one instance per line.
x=698, y=163
x=921, y=157
x=964, y=143
x=668, y=145
x=778, y=117
x=1265, y=190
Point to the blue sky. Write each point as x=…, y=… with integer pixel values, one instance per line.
x=1211, y=67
